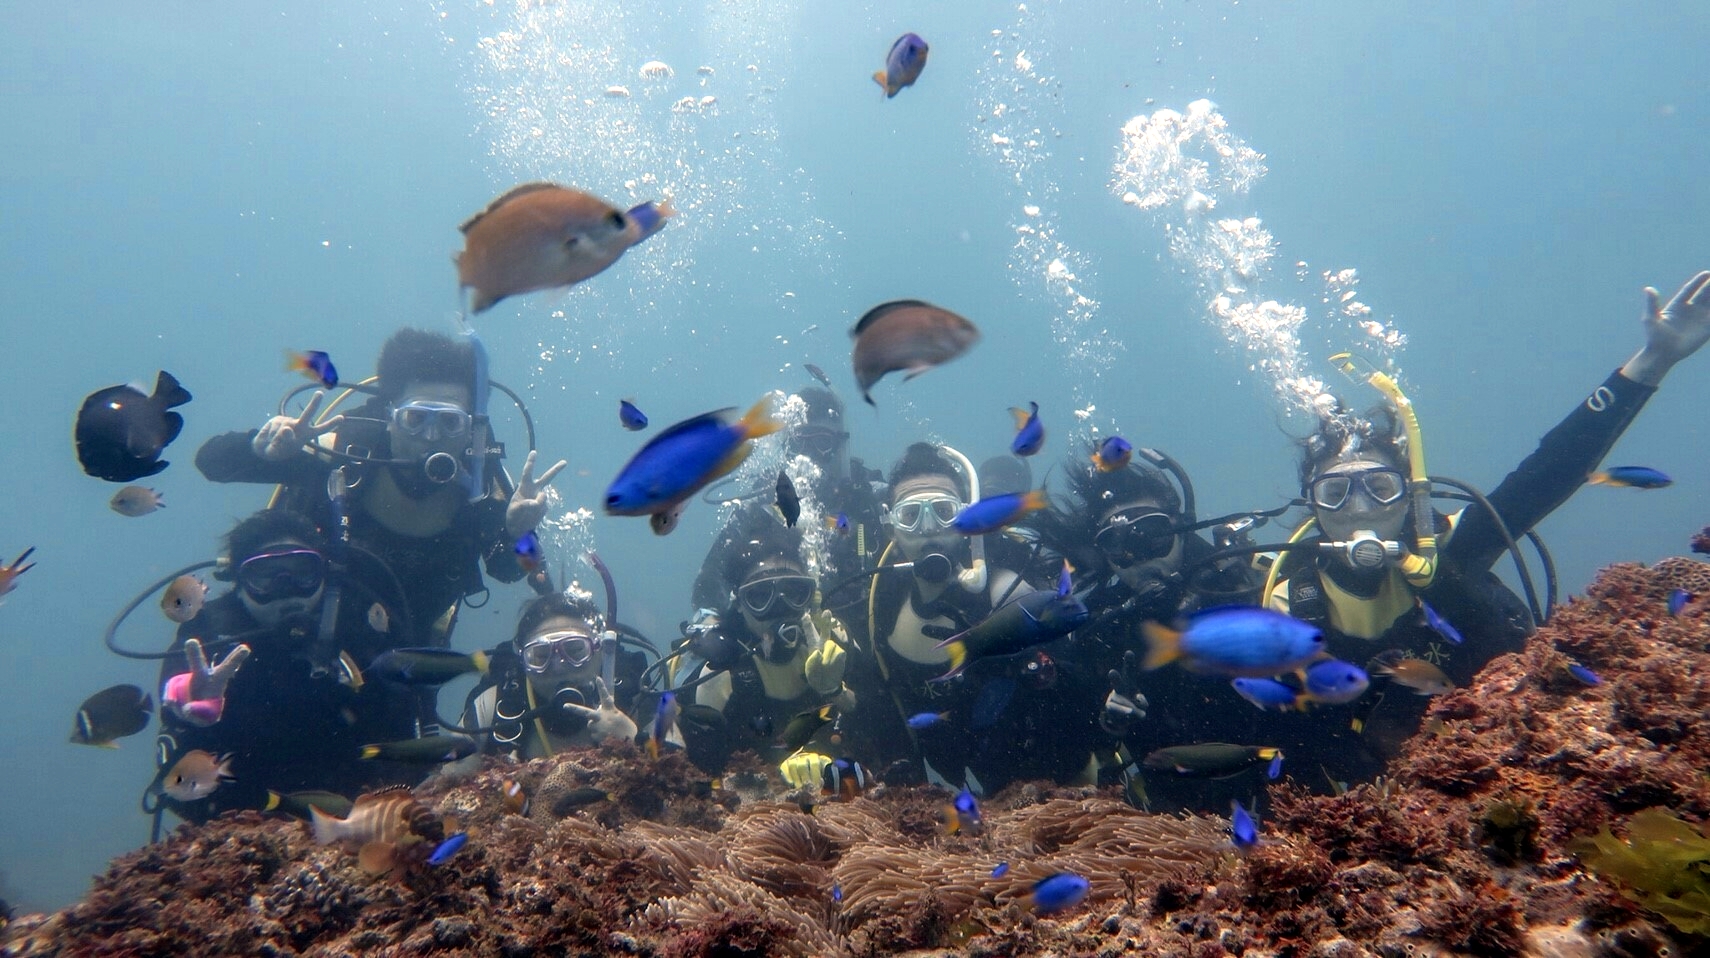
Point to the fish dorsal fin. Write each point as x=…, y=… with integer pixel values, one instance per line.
x=506, y=197
x=383, y=794
x=873, y=315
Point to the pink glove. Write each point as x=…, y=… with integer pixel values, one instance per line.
x=176, y=696
x=199, y=695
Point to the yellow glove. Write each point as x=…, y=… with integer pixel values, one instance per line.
x=804, y=769
x=826, y=664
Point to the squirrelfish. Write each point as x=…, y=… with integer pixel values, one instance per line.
x=903, y=64
x=183, y=598
x=196, y=775
x=1029, y=434
x=1636, y=477
x=907, y=334
x=679, y=461
x=313, y=363
x=1034, y=619
x=1112, y=454
x=136, y=501
x=541, y=235
x=1417, y=674
x=111, y=713
x=995, y=512
x=1237, y=641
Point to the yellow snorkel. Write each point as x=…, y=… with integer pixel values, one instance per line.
x=1419, y=566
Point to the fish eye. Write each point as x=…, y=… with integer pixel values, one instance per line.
x=617, y=220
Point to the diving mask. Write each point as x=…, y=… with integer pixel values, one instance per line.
x=1136, y=536
x=794, y=592
x=818, y=441
x=1331, y=492
x=431, y=420
x=574, y=648
x=911, y=514
x=290, y=574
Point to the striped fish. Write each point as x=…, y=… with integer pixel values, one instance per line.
x=388, y=815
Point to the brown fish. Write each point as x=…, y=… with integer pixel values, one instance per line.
x=542, y=235
x=1417, y=674
x=196, y=775
x=183, y=598
x=910, y=335
x=389, y=815
x=136, y=501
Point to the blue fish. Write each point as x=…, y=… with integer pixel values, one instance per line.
x=1334, y=682
x=529, y=552
x=1584, y=674
x=1241, y=826
x=1237, y=641
x=679, y=461
x=963, y=813
x=448, y=848
x=632, y=418
x=314, y=364
x=651, y=217
x=1029, y=434
x=1112, y=454
x=664, y=716
x=839, y=525
x=1275, y=768
x=995, y=512
x=1059, y=891
x=1001, y=870
x=1268, y=695
x=1034, y=619
x=1065, y=580
x=1677, y=600
x=922, y=720
x=1439, y=624
x=903, y=65
x=1635, y=477
x=836, y=893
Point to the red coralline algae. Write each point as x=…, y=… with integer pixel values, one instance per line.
x=1461, y=848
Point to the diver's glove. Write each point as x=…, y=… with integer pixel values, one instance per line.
x=1124, y=705
x=199, y=695
x=827, y=662
x=528, y=502
x=284, y=437
x=804, y=768
x=606, y=722
x=1672, y=332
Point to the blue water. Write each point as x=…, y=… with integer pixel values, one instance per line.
x=198, y=188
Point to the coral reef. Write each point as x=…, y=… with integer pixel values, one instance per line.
x=1467, y=846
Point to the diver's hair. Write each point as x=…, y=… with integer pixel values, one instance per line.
x=1068, y=527
x=754, y=536
x=823, y=406
x=269, y=527
x=925, y=459
x=417, y=355
x=556, y=605
x=1377, y=435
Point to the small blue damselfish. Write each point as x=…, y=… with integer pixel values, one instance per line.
x=1335, y=682
x=1237, y=641
x=529, y=552
x=314, y=364
x=1635, y=477
x=678, y=462
x=632, y=418
x=995, y=512
x=1677, y=601
x=1059, y=891
x=1112, y=454
x=903, y=64
x=1241, y=826
x=1029, y=434
x=448, y=848
x=1268, y=695
x=1439, y=624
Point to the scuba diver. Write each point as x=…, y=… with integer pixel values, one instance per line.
x=425, y=496
x=561, y=682
x=1002, y=718
x=839, y=485
x=1136, y=544
x=774, y=657
x=287, y=724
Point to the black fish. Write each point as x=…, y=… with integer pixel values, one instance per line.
x=789, y=503
x=576, y=798
x=1208, y=759
x=298, y=804
x=428, y=750
x=818, y=374
x=426, y=666
x=803, y=726
x=111, y=714
x=121, y=431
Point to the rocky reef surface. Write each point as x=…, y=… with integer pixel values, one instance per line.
x=1477, y=842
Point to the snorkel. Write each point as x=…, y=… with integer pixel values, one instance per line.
x=338, y=551
x=973, y=578
x=480, y=427
x=1420, y=565
x=608, y=636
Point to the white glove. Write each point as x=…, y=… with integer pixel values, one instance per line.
x=284, y=437
x=1672, y=332
x=528, y=502
x=608, y=721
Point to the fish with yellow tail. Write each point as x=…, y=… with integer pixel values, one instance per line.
x=542, y=235
x=680, y=461
x=379, y=825
x=1235, y=641
x=1033, y=619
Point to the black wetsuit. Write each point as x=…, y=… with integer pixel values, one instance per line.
x=505, y=674
x=287, y=729
x=435, y=572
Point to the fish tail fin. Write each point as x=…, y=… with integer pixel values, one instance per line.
x=273, y=800
x=1268, y=752
x=883, y=81
x=327, y=828
x=480, y=661
x=958, y=661
x=1098, y=462
x=1600, y=479
x=1021, y=416
x=1163, y=645
x=370, y=751
x=758, y=420
x=868, y=398
x=1034, y=501
x=295, y=362
x=168, y=391
x=664, y=209
x=652, y=747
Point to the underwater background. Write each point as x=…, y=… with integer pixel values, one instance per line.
x=199, y=189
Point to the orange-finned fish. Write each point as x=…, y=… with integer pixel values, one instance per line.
x=681, y=460
x=1112, y=454
x=664, y=717
x=1029, y=433
x=516, y=799
x=314, y=364
x=541, y=235
x=183, y=598
x=9, y=574
x=903, y=64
